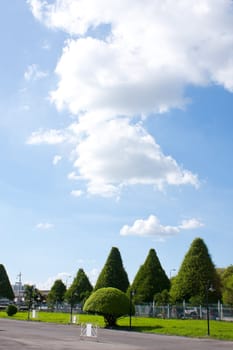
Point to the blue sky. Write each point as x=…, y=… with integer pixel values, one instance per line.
x=115, y=130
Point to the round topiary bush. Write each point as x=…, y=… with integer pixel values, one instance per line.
x=111, y=303
x=11, y=310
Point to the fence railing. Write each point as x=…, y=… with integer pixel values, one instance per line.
x=216, y=311
x=184, y=311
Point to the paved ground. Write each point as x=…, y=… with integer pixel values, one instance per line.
x=23, y=335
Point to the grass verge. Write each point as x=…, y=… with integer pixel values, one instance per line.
x=189, y=328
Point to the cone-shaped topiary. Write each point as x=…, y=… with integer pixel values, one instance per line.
x=196, y=274
x=6, y=290
x=150, y=279
x=80, y=289
x=113, y=273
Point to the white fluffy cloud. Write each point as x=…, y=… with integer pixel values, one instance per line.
x=114, y=154
x=153, y=228
x=56, y=159
x=137, y=159
x=46, y=285
x=76, y=193
x=44, y=226
x=153, y=49
x=66, y=277
x=147, y=55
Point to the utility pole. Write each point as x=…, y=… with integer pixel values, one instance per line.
x=19, y=286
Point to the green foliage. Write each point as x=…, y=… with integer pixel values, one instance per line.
x=6, y=290
x=31, y=295
x=113, y=273
x=150, y=279
x=11, y=310
x=228, y=272
x=228, y=291
x=226, y=276
x=57, y=293
x=80, y=289
x=111, y=303
x=196, y=274
x=162, y=298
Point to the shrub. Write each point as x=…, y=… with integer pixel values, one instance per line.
x=11, y=310
x=110, y=302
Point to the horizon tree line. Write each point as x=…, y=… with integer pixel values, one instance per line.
x=150, y=283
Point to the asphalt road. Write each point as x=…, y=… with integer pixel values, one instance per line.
x=23, y=335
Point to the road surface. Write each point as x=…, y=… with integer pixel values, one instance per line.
x=26, y=335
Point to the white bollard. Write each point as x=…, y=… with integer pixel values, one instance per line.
x=88, y=330
x=34, y=314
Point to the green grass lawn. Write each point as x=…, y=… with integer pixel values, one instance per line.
x=190, y=328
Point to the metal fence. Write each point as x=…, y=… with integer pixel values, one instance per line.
x=185, y=311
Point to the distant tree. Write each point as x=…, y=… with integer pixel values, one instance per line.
x=111, y=303
x=30, y=295
x=57, y=293
x=228, y=291
x=225, y=273
x=196, y=274
x=220, y=271
x=79, y=290
x=162, y=298
x=150, y=279
x=227, y=285
x=113, y=273
x=6, y=290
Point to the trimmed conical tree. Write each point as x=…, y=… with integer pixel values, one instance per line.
x=197, y=273
x=113, y=273
x=150, y=279
x=6, y=290
x=80, y=289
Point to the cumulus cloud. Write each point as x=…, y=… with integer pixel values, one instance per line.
x=137, y=159
x=56, y=159
x=34, y=73
x=190, y=224
x=151, y=227
x=44, y=226
x=66, y=277
x=152, y=51
x=76, y=193
x=73, y=176
x=115, y=154
x=149, y=53
x=46, y=285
